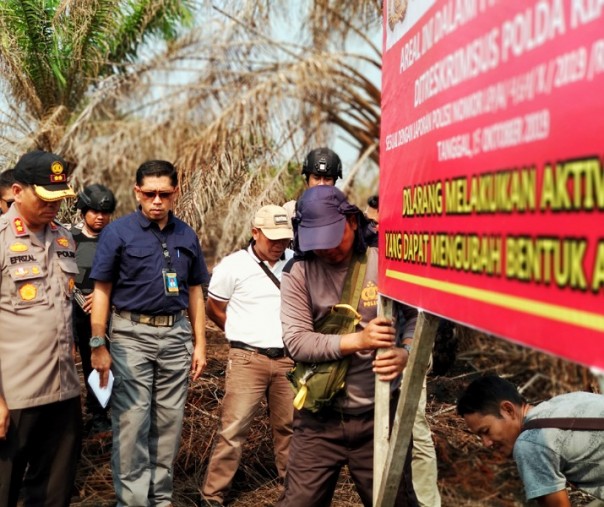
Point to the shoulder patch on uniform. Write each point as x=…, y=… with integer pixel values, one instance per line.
x=369, y=295
x=62, y=241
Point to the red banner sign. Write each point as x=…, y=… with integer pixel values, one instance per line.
x=492, y=180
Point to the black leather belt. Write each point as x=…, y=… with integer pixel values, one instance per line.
x=151, y=320
x=271, y=352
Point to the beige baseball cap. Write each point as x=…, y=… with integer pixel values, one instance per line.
x=274, y=222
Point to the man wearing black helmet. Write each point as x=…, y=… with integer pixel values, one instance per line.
x=321, y=166
x=96, y=204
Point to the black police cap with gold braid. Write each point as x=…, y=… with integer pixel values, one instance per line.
x=46, y=172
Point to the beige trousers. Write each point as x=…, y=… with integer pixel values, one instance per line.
x=423, y=464
x=251, y=378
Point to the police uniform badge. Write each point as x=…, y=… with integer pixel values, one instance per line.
x=18, y=247
x=20, y=272
x=56, y=168
x=369, y=295
x=28, y=292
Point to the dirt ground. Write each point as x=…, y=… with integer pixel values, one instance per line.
x=468, y=474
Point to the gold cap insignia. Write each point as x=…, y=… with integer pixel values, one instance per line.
x=28, y=292
x=56, y=167
x=35, y=270
x=18, y=247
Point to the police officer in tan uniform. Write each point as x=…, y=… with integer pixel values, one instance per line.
x=40, y=416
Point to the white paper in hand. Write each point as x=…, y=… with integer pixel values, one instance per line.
x=102, y=393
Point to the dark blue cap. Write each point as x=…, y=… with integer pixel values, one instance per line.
x=321, y=218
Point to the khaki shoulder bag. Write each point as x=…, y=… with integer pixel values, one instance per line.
x=317, y=384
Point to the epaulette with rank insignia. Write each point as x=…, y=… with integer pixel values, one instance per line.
x=19, y=227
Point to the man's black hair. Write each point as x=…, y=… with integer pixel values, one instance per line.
x=7, y=178
x=485, y=394
x=157, y=168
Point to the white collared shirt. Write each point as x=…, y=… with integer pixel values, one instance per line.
x=254, y=301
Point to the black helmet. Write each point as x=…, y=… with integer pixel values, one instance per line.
x=322, y=162
x=96, y=197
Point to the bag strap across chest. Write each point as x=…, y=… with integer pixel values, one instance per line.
x=264, y=268
x=353, y=285
x=567, y=423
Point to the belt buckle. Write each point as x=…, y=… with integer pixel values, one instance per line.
x=139, y=318
x=162, y=320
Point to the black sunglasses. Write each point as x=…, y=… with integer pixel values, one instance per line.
x=152, y=194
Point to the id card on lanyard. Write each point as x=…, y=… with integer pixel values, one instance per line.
x=169, y=274
x=170, y=282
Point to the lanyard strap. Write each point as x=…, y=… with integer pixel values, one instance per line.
x=165, y=250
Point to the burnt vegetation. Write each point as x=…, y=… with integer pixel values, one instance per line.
x=469, y=475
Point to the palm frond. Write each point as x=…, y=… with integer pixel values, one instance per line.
x=142, y=19
x=26, y=30
x=235, y=102
x=83, y=31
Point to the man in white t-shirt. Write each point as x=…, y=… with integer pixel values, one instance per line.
x=244, y=300
x=549, y=455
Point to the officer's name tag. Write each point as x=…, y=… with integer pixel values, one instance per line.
x=170, y=282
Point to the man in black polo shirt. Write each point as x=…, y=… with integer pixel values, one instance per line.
x=149, y=267
x=96, y=204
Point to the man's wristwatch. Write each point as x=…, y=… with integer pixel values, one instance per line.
x=96, y=342
x=407, y=347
